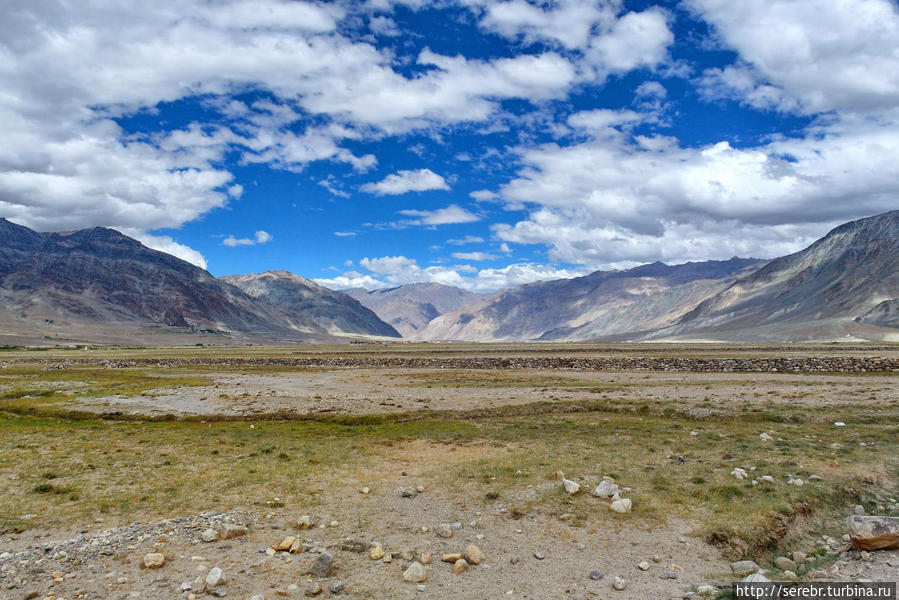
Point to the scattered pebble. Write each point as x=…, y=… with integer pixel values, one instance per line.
x=415, y=573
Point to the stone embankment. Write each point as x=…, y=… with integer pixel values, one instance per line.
x=806, y=364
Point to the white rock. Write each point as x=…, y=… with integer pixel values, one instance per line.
x=623, y=505
x=643, y=565
x=606, y=489
x=839, y=424
x=572, y=487
x=619, y=584
x=415, y=573
x=765, y=437
x=209, y=535
x=154, y=560
x=767, y=479
x=739, y=473
x=215, y=577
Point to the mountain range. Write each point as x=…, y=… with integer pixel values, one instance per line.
x=410, y=307
x=843, y=286
x=98, y=285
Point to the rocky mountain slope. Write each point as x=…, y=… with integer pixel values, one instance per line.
x=603, y=304
x=848, y=278
x=410, y=307
x=318, y=307
x=98, y=285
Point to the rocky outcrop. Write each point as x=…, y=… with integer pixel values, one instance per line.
x=874, y=532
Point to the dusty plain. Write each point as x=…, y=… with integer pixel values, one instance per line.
x=110, y=454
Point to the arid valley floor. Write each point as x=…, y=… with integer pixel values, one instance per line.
x=108, y=455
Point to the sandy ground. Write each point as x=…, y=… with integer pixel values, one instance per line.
x=92, y=564
x=365, y=391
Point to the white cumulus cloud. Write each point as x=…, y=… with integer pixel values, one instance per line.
x=260, y=237
x=441, y=216
x=401, y=182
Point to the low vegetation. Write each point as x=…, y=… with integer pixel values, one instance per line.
x=59, y=467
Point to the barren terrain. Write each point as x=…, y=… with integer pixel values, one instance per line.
x=107, y=455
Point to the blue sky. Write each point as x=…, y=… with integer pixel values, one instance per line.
x=478, y=143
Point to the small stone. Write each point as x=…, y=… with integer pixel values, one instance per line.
x=215, y=577
x=765, y=437
x=451, y=557
x=313, y=590
x=285, y=544
x=407, y=555
x=322, y=565
x=377, y=552
x=619, y=583
x=407, y=492
x=643, y=565
x=739, y=473
x=421, y=587
x=656, y=558
x=595, y=575
x=230, y=531
x=415, y=573
x=622, y=505
x=304, y=522
x=755, y=578
x=154, y=560
x=388, y=557
x=858, y=510
x=426, y=558
x=668, y=574
x=799, y=557
x=706, y=589
x=444, y=530
x=572, y=487
x=460, y=566
x=514, y=560
x=767, y=479
x=540, y=554
x=420, y=489
x=743, y=568
x=606, y=489
x=790, y=575
x=785, y=564
x=334, y=524
x=473, y=555
x=365, y=490
x=558, y=475
x=209, y=535
x=336, y=587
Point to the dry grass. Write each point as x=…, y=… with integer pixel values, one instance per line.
x=59, y=468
